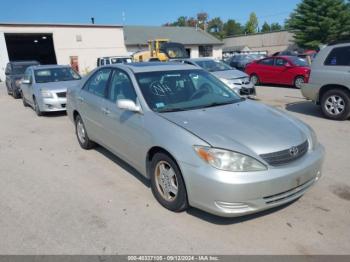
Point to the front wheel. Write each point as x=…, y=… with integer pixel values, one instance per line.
x=298, y=82
x=167, y=183
x=336, y=104
x=24, y=100
x=254, y=79
x=37, y=108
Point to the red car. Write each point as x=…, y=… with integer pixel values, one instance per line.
x=285, y=70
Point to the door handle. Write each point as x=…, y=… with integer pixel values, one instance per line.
x=105, y=111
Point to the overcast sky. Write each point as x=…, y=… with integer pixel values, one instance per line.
x=141, y=12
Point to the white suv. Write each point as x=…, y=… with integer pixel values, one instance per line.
x=329, y=83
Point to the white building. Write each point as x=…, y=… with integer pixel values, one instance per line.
x=76, y=44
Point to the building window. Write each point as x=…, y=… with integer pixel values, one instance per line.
x=205, y=50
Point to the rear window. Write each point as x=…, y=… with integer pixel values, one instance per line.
x=339, y=56
x=18, y=69
x=268, y=61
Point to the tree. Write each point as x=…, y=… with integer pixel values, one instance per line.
x=265, y=28
x=317, y=22
x=251, y=26
x=202, y=20
x=275, y=27
x=215, y=27
x=231, y=27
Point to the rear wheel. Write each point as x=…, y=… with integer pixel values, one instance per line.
x=167, y=183
x=299, y=81
x=82, y=135
x=336, y=104
x=15, y=93
x=254, y=79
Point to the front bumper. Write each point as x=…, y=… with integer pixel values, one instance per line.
x=231, y=194
x=55, y=104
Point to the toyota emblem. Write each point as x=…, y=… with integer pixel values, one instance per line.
x=294, y=151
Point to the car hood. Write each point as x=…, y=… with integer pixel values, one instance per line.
x=60, y=85
x=229, y=74
x=247, y=127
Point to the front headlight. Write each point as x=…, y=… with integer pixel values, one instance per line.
x=228, y=160
x=46, y=94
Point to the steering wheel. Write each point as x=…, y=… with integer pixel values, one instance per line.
x=203, y=89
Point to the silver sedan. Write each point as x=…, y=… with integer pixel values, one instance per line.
x=198, y=142
x=44, y=88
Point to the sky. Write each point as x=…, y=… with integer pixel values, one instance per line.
x=140, y=12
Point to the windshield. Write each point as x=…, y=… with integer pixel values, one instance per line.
x=55, y=75
x=298, y=61
x=168, y=91
x=19, y=69
x=213, y=65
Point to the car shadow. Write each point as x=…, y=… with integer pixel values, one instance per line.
x=55, y=114
x=305, y=108
x=234, y=220
x=128, y=168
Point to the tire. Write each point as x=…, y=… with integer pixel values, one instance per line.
x=298, y=82
x=174, y=197
x=82, y=136
x=37, y=108
x=8, y=90
x=15, y=93
x=255, y=79
x=335, y=104
x=24, y=101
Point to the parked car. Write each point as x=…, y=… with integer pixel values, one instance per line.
x=14, y=72
x=329, y=83
x=241, y=61
x=109, y=60
x=198, y=142
x=284, y=70
x=235, y=79
x=44, y=88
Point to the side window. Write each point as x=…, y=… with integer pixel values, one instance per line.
x=339, y=57
x=121, y=87
x=268, y=62
x=28, y=74
x=97, y=84
x=8, y=69
x=280, y=62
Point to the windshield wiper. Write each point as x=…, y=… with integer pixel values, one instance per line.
x=171, y=110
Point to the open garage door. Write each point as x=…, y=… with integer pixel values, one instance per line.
x=37, y=47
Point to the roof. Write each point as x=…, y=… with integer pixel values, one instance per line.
x=155, y=66
x=59, y=25
x=140, y=35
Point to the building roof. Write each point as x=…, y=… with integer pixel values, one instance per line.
x=140, y=35
x=58, y=25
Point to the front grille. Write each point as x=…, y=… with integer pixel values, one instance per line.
x=61, y=94
x=247, y=91
x=294, y=192
x=285, y=156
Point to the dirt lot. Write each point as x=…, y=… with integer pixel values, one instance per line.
x=58, y=199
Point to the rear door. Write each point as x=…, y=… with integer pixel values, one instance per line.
x=338, y=61
x=91, y=103
x=282, y=73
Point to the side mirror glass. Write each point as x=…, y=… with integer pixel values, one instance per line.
x=128, y=105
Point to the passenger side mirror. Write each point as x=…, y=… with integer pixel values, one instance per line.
x=128, y=105
x=26, y=81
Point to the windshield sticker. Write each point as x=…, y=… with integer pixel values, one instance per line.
x=159, y=105
x=160, y=89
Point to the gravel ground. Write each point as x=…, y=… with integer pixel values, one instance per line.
x=56, y=198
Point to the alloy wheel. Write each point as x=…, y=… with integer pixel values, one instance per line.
x=166, y=181
x=334, y=105
x=299, y=82
x=81, y=131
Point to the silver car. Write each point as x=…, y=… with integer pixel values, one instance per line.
x=44, y=88
x=198, y=142
x=235, y=79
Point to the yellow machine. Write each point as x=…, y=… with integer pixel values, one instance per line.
x=161, y=50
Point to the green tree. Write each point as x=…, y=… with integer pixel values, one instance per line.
x=251, y=26
x=276, y=27
x=265, y=28
x=316, y=22
x=231, y=27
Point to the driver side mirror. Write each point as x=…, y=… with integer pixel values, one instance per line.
x=128, y=105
